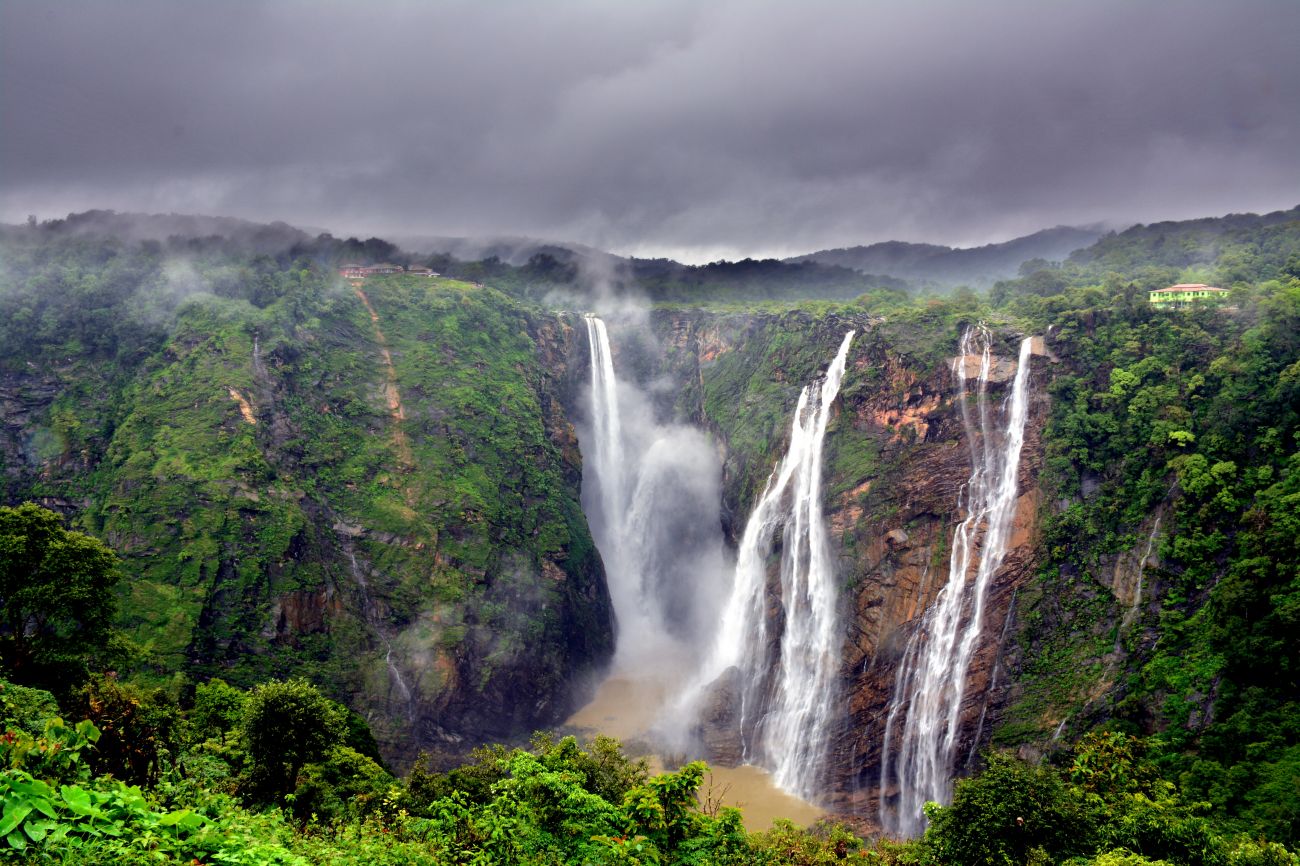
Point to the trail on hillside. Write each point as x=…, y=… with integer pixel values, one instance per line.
x=392, y=396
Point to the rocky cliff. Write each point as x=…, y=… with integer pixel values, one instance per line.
x=377, y=488
x=897, y=459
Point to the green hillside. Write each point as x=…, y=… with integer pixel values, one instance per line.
x=387, y=505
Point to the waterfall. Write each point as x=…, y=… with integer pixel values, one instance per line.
x=607, y=449
x=1132, y=612
x=784, y=713
x=652, y=493
x=369, y=614
x=931, y=680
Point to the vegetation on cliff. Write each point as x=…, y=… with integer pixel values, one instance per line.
x=1190, y=416
x=218, y=792
x=377, y=490
x=371, y=488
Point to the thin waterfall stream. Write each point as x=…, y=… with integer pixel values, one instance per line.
x=931, y=679
x=368, y=610
x=783, y=723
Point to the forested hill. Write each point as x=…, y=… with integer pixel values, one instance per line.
x=1237, y=246
x=1244, y=249
x=948, y=266
x=371, y=487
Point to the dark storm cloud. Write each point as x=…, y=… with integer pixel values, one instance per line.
x=710, y=128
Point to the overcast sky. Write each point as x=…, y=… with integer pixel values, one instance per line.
x=700, y=130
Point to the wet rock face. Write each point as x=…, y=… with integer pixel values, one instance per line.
x=899, y=566
x=31, y=445
x=891, y=521
x=720, y=721
x=295, y=615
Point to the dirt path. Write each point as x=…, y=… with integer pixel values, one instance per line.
x=391, y=395
x=245, y=408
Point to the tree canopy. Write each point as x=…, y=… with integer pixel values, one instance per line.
x=56, y=596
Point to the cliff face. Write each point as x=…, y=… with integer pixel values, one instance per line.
x=897, y=459
x=377, y=489
x=896, y=538
x=380, y=489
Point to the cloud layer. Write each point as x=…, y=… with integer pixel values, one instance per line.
x=724, y=128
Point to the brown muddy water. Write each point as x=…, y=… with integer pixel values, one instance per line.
x=625, y=707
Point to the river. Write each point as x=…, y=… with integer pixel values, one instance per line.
x=624, y=708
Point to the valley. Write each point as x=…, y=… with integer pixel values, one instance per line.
x=838, y=549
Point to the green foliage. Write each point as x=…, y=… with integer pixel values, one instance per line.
x=25, y=709
x=345, y=785
x=1120, y=857
x=1007, y=812
x=55, y=754
x=218, y=709
x=1110, y=806
x=56, y=597
x=287, y=725
x=138, y=729
x=111, y=822
x=824, y=845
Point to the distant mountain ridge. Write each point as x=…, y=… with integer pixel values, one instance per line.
x=976, y=266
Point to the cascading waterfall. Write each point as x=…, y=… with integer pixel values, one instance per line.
x=653, y=493
x=931, y=680
x=1132, y=612
x=606, y=455
x=784, y=713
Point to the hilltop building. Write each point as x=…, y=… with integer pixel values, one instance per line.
x=352, y=271
x=1184, y=294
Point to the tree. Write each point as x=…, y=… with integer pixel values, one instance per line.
x=1007, y=812
x=137, y=726
x=218, y=709
x=56, y=597
x=288, y=725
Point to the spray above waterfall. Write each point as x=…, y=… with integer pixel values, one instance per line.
x=920, y=738
x=652, y=492
x=786, y=701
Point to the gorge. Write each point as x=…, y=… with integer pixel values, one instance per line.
x=766, y=688
x=853, y=544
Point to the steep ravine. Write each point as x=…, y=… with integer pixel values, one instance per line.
x=896, y=460
x=443, y=581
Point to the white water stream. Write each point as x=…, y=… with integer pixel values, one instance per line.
x=395, y=677
x=652, y=492
x=931, y=679
x=785, y=712
x=1132, y=613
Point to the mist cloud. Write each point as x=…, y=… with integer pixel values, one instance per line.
x=724, y=128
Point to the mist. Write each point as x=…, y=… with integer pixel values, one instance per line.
x=694, y=131
x=652, y=491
